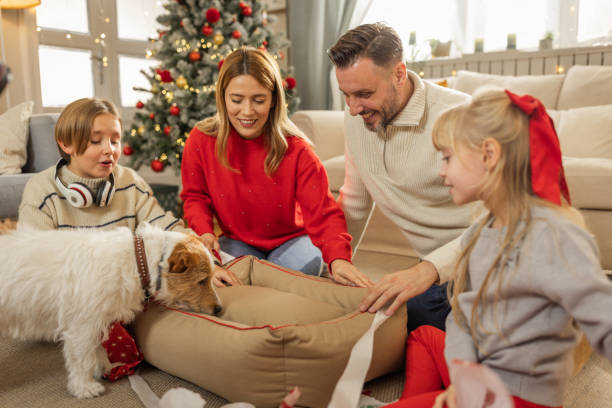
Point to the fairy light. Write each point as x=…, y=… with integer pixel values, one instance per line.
x=163, y=157
x=157, y=127
x=454, y=73
x=38, y=29
x=133, y=132
x=560, y=69
x=68, y=36
x=421, y=74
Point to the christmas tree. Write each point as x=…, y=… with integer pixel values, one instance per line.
x=199, y=34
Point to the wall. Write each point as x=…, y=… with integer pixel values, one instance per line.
x=19, y=39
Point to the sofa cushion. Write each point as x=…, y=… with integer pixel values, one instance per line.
x=324, y=128
x=586, y=86
x=14, y=138
x=42, y=149
x=335, y=172
x=589, y=181
x=544, y=87
x=585, y=132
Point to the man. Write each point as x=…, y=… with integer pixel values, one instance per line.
x=390, y=160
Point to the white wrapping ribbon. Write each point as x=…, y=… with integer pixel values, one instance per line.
x=349, y=386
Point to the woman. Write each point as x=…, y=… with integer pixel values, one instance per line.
x=254, y=171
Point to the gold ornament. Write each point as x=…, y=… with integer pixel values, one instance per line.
x=155, y=88
x=181, y=82
x=218, y=38
x=140, y=130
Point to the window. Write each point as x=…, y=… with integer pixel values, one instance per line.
x=95, y=48
x=572, y=22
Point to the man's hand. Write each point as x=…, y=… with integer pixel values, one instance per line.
x=210, y=241
x=345, y=273
x=399, y=287
x=224, y=277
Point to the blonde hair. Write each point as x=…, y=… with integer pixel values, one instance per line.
x=491, y=114
x=261, y=66
x=75, y=123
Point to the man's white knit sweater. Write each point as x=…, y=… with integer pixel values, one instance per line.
x=397, y=169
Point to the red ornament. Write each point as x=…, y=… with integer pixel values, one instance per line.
x=265, y=42
x=182, y=24
x=175, y=110
x=161, y=34
x=127, y=150
x=139, y=104
x=152, y=115
x=207, y=30
x=220, y=64
x=157, y=165
x=194, y=56
x=165, y=75
x=212, y=15
x=247, y=11
x=167, y=130
x=236, y=34
x=242, y=4
x=291, y=82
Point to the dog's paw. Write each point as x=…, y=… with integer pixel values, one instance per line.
x=86, y=389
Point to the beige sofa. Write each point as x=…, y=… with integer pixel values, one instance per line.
x=580, y=104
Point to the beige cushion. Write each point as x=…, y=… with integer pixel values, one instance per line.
x=14, y=138
x=585, y=132
x=544, y=87
x=335, y=172
x=599, y=223
x=586, y=86
x=589, y=181
x=325, y=130
x=293, y=329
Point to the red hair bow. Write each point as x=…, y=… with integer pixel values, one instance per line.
x=547, y=175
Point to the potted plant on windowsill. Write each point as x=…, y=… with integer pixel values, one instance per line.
x=546, y=43
x=440, y=49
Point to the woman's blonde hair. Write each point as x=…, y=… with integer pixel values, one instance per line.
x=491, y=114
x=261, y=66
x=74, y=125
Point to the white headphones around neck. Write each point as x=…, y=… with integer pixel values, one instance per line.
x=81, y=196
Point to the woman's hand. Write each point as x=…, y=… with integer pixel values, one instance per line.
x=224, y=277
x=210, y=241
x=446, y=399
x=345, y=273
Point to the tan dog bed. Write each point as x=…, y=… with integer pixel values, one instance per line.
x=280, y=330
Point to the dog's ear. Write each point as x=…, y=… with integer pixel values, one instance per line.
x=181, y=259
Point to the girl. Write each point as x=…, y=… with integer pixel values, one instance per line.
x=251, y=169
x=528, y=269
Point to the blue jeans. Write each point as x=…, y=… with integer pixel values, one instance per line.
x=298, y=253
x=429, y=308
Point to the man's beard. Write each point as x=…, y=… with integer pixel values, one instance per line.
x=387, y=114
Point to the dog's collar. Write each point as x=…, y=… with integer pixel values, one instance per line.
x=141, y=263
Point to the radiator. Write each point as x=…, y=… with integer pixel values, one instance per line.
x=515, y=62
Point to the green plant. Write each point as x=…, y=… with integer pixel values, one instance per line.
x=549, y=35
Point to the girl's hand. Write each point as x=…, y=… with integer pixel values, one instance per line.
x=446, y=399
x=344, y=272
x=210, y=241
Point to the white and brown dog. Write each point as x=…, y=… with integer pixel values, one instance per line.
x=70, y=286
